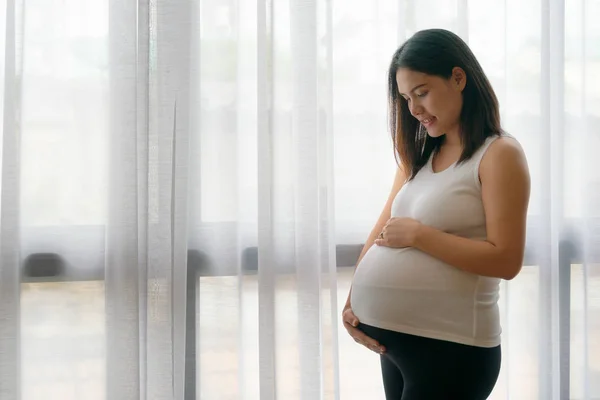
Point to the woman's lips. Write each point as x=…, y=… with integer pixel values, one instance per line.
x=427, y=122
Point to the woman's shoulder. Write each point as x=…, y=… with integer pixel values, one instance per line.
x=503, y=143
x=499, y=142
x=503, y=151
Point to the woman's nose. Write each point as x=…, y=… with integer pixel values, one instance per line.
x=415, y=109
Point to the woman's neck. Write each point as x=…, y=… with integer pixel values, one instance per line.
x=452, y=140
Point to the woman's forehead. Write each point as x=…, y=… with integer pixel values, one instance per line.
x=406, y=79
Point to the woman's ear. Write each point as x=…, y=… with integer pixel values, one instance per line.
x=459, y=78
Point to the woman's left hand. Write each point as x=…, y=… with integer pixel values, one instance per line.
x=398, y=233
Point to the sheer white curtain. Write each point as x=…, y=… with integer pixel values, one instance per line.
x=94, y=189
x=185, y=186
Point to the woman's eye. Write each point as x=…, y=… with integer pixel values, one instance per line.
x=422, y=94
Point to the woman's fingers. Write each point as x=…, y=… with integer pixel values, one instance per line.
x=369, y=342
x=350, y=318
x=351, y=323
x=361, y=338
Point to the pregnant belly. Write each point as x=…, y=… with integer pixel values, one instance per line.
x=409, y=269
x=407, y=287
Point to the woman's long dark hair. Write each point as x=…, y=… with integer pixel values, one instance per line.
x=437, y=52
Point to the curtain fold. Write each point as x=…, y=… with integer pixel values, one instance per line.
x=146, y=230
x=126, y=229
x=9, y=202
x=186, y=185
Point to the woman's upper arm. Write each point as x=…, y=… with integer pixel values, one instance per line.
x=399, y=181
x=386, y=213
x=505, y=187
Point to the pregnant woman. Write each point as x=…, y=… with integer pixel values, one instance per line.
x=425, y=291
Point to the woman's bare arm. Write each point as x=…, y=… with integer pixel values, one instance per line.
x=505, y=186
x=384, y=217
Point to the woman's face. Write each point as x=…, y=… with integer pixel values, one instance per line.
x=435, y=101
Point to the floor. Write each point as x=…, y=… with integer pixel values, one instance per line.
x=63, y=340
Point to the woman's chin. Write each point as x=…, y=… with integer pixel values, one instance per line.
x=434, y=133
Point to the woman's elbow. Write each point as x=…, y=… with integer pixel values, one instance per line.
x=512, y=269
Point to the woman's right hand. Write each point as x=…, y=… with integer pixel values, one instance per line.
x=351, y=324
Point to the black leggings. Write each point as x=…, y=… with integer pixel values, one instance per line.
x=419, y=368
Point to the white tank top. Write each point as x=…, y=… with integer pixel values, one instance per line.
x=409, y=291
